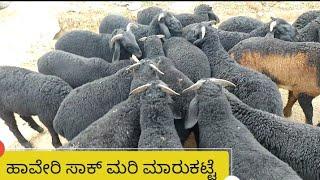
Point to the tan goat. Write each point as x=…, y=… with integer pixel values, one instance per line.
x=292, y=65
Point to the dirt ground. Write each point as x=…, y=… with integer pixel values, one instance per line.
x=27, y=30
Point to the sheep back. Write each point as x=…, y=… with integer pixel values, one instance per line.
x=187, y=58
x=119, y=128
x=30, y=93
x=240, y=24
x=91, y=101
x=77, y=70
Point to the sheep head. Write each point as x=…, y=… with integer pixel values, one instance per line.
x=208, y=87
x=206, y=10
x=153, y=46
x=195, y=33
x=281, y=29
x=155, y=87
x=127, y=40
x=168, y=24
x=145, y=68
x=155, y=92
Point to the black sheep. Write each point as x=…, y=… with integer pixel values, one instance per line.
x=110, y=47
x=77, y=70
x=29, y=93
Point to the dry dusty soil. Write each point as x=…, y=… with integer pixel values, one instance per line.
x=27, y=31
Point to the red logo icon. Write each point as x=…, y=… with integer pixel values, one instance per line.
x=1, y=148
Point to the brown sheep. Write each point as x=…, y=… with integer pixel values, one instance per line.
x=294, y=66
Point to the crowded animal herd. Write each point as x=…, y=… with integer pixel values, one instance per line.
x=151, y=82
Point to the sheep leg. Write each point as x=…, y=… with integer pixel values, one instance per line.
x=196, y=134
x=32, y=123
x=305, y=102
x=287, y=111
x=55, y=138
x=10, y=121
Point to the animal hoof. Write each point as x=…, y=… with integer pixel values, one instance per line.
x=56, y=145
x=287, y=113
x=27, y=145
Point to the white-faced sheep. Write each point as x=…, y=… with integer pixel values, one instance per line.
x=294, y=143
x=77, y=70
x=253, y=88
x=292, y=65
x=156, y=116
x=29, y=93
x=240, y=24
x=110, y=47
x=218, y=128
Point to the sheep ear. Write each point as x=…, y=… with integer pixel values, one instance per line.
x=272, y=25
x=165, y=30
x=192, y=117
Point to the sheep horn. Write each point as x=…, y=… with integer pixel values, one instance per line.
x=135, y=59
x=168, y=90
x=116, y=37
x=160, y=36
x=143, y=38
x=203, y=32
x=130, y=25
x=272, y=25
x=140, y=89
x=195, y=86
x=133, y=66
x=156, y=69
x=222, y=82
x=161, y=15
